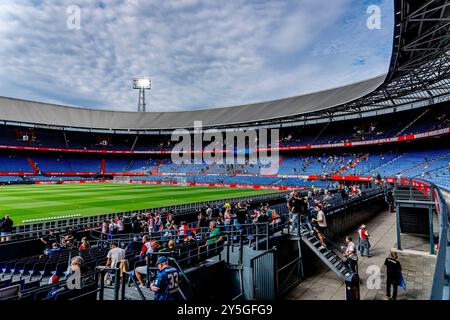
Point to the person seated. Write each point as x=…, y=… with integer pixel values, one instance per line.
x=214, y=235
x=54, y=250
x=141, y=271
x=68, y=240
x=84, y=244
x=134, y=247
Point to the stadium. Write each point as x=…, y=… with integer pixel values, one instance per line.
x=80, y=183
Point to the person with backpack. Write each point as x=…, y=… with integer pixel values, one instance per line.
x=393, y=275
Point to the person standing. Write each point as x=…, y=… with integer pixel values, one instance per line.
x=290, y=205
x=51, y=238
x=320, y=225
x=6, y=225
x=364, y=243
x=350, y=253
x=165, y=285
x=393, y=271
x=296, y=210
x=115, y=255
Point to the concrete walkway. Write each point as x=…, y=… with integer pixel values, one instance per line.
x=417, y=267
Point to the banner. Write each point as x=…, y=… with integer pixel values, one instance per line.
x=403, y=138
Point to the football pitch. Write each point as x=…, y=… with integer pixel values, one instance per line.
x=24, y=202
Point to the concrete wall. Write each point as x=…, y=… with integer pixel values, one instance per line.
x=344, y=222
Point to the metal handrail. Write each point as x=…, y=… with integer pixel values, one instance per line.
x=95, y=221
x=440, y=278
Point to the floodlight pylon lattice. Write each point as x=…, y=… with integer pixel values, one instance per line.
x=142, y=84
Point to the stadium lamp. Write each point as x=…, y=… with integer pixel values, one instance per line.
x=142, y=84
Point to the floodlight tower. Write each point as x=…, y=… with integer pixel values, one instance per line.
x=142, y=83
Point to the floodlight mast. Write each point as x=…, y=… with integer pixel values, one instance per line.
x=142, y=84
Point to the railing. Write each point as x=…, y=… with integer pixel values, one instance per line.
x=265, y=282
x=441, y=271
x=94, y=288
x=426, y=191
x=39, y=229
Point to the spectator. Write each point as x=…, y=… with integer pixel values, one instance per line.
x=241, y=215
x=171, y=246
x=276, y=219
x=76, y=266
x=68, y=239
x=350, y=254
x=209, y=213
x=84, y=244
x=50, y=238
x=112, y=230
x=139, y=272
x=54, y=250
x=165, y=285
x=320, y=225
x=228, y=216
x=393, y=272
x=136, y=225
x=263, y=217
x=214, y=235
x=297, y=206
x=290, y=205
x=134, y=247
x=201, y=218
x=6, y=225
x=120, y=226
x=105, y=225
x=184, y=229
x=115, y=255
x=363, y=241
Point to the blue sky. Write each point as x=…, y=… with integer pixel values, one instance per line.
x=199, y=53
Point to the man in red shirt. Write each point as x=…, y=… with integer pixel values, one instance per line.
x=363, y=240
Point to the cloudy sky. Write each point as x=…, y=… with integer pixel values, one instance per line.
x=199, y=53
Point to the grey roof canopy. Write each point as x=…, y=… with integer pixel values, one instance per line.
x=24, y=111
x=419, y=73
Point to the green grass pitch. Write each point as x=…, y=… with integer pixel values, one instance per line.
x=23, y=202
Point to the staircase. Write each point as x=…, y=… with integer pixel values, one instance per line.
x=127, y=169
x=321, y=132
x=134, y=143
x=102, y=166
x=270, y=170
x=427, y=163
x=331, y=259
x=411, y=123
x=33, y=165
x=351, y=165
x=386, y=164
x=209, y=168
x=155, y=168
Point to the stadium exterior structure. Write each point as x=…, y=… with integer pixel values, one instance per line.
x=418, y=76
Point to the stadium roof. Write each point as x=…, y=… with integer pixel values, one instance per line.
x=419, y=73
x=44, y=113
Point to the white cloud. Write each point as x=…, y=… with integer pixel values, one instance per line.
x=199, y=53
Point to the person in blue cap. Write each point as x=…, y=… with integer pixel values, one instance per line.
x=165, y=285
